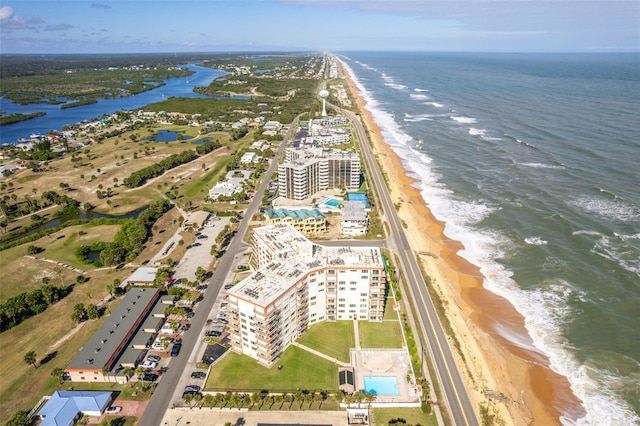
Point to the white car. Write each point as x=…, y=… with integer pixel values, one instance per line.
x=149, y=364
x=114, y=409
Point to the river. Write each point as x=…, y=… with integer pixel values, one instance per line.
x=56, y=118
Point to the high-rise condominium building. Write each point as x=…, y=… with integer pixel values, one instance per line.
x=298, y=283
x=306, y=171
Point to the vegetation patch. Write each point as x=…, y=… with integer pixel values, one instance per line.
x=333, y=339
x=300, y=370
x=385, y=334
x=403, y=417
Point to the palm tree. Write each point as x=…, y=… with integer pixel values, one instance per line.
x=105, y=372
x=30, y=358
x=58, y=372
x=369, y=397
x=188, y=397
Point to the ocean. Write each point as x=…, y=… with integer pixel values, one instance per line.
x=533, y=162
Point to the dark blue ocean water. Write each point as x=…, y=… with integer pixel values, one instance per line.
x=56, y=118
x=533, y=162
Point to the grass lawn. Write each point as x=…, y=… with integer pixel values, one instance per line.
x=333, y=339
x=301, y=370
x=413, y=416
x=386, y=334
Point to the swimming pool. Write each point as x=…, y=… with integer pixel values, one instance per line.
x=332, y=202
x=381, y=385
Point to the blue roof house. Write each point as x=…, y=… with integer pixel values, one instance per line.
x=65, y=407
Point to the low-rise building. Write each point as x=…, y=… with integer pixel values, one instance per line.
x=307, y=221
x=145, y=275
x=67, y=407
x=114, y=338
x=249, y=157
x=233, y=183
x=354, y=218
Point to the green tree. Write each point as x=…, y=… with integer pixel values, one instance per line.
x=31, y=358
x=19, y=418
x=92, y=311
x=58, y=373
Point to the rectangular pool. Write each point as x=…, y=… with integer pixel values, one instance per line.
x=381, y=385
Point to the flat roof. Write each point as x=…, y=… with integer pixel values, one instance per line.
x=103, y=344
x=297, y=214
x=294, y=256
x=145, y=274
x=353, y=210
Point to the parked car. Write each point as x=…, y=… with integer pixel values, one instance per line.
x=220, y=321
x=213, y=333
x=114, y=409
x=175, y=350
x=201, y=237
x=198, y=375
x=192, y=388
x=150, y=377
x=228, y=286
x=149, y=364
x=153, y=358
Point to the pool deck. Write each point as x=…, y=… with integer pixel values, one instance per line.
x=386, y=363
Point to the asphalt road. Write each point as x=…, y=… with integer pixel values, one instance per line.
x=168, y=388
x=457, y=399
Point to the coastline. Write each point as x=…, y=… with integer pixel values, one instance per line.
x=535, y=394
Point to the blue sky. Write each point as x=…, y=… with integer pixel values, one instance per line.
x=123, y=26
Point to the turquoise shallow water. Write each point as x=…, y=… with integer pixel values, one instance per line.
x=532, y=161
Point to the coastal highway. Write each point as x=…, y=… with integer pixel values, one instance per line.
x=168, y=389
x=460, y=407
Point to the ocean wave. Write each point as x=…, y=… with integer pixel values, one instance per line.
x=435, y=104
x=418, y=97
x=622, y=250
x=536, y=241
x=616, y=208
x=463, y=120
x=604, y=191
x=477, y=132
x=396, y=86
x=542, y=166
x=545, y=310
x=417, y=89
x=419, y=117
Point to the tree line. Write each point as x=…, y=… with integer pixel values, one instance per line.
x=27, y=304
x=129, y=241
x=139, y=177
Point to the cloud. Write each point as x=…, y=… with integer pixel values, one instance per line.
x=5, y=13
x=9, y=21
x=59, y=27
x=96, y=5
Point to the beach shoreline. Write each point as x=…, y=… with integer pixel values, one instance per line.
x=533, y=393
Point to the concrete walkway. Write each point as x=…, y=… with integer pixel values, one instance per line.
x=320, y=354
x=356, y=334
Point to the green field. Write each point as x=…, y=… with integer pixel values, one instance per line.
x=333, y=339
x=386, y=334
x=412, y=416
x=300, y=370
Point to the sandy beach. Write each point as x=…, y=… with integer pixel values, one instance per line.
x=534, y=393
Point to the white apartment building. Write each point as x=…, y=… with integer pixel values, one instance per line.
x=306, y=171
x=354, y=218
x=298, y=283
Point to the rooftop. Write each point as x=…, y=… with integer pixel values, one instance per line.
x=101, y=347
x=294, y=257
